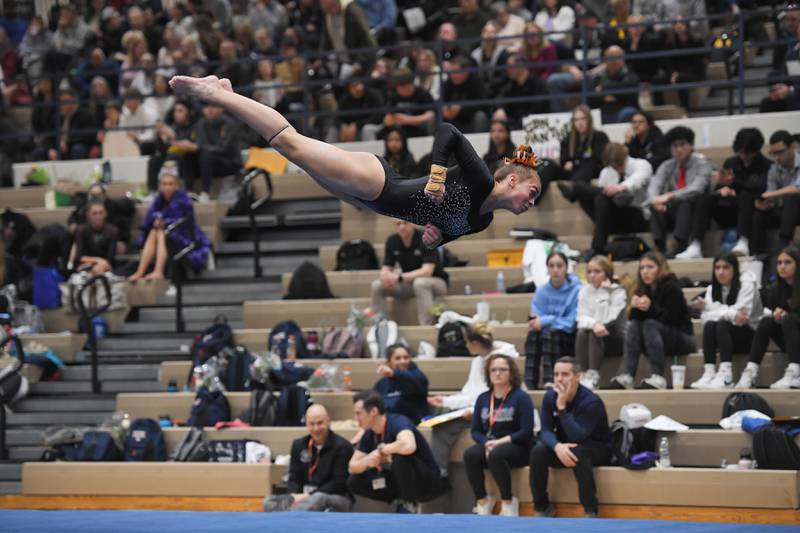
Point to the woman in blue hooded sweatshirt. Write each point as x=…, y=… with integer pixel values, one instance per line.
x=551, y=329
x=403, y=386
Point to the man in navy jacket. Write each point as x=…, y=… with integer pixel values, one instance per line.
x=575, y=434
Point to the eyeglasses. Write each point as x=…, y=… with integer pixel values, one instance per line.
x=499, y=370
x=777, y=153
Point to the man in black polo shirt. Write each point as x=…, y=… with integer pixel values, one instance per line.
x=414, y=106
x=393, y=461
x=421, y=274
x=317, y=471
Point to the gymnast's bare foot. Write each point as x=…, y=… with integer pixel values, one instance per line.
x=204, y=88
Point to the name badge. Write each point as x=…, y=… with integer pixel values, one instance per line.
x=308, y=489
x=379, y=483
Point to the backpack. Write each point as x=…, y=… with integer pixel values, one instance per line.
x=308, y=282
x=774, y=449
x=626, y=247
x=209, y=407
x=627, y=442
x=46, y=291
x=210, y=343
x=263, y=408
x=278, y=340
x=382, y=335
x=342, y=343
x=236, y=376
x=357, y=254
x=292, y=405
x=98, y=446
x=145, y=441
x=192, y=448
x=740, y=401
x=13, y=385
x=450, y=341
x=227, y=451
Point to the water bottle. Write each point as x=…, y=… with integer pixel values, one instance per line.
x=172, y=386
x=291, y=348
x=500, y=282
x=663, y=453
x=347, y=378
x=312, y=343
x=467, y=290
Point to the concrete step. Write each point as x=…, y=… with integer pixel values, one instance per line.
x=11, y=487
x=23, y=437
x=203, y=313
x=10, y=471
x=132, y=356
x=25, y=453
x=145, y=343
x=52, y=405
x=269, y=264
x=228, y=292
x=242, y=222
x=110, y=372
x=48, y=419
x=269, y=246
x=164, y=327
x=85, y=387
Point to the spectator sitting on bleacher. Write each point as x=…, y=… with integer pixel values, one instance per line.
x=556, y=16
x=96, y=65
x=500, y=145
x=43, y=118
x=414, y=105
x=480, y=342
x=358, y=120
x=119, y=213
x=779, y=206
x=239, y=71
x=731, y=310
x=34, y=47
x=641, y=40
x=345, y=26
x=131, y=74
x=161, y=99
x=403, y=385
x=685, y=68
x=68, y=40
x=170, y=205
x=574, y=435
x=391, y=441
x=615, y=203
x=788, y=34
x=659, y=324
x=735, y=187
x=421, y=274
x=675, y=193
x=448, y=36
x=782, y=96
x=780, y=323
x=551, y=328
x=397, y=154
x=491, y=56
x=645, y=140
x=463, y=84
x=600, y=319
x=509, y=26
x=582, y=149
x=140, y=118
x=77, y=133
x=137, y=21
x=317, y=469
x=522, y=84
x=174, y=140
x=216, y=145
x=538, y=49
x=470, y=19
x=427, y=73
x=502, y=428
x=95, y=241
x=616, y=76
x=616, y=33
x=99, y=95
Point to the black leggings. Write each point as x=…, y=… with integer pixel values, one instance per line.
x=727, y=338
x=785, y=333
x=500, y=462
x=409, y=479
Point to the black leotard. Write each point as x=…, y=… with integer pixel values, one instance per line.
x=467, y=187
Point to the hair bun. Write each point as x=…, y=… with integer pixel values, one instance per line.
x=523, y=155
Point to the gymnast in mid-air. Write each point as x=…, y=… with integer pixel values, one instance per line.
x=449, y=203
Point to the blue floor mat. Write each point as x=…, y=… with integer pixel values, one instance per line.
x=19, y=521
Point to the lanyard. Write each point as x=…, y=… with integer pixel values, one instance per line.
x=313, y=467
x=383, y=435
x=491, y=409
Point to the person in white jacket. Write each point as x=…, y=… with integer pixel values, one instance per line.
x=555, y=17
x=731, y=309
x=480, y=341
x=600, y=320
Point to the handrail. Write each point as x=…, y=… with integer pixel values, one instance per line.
x=87, y=319
x=21, y=357
x=252, y=206
x=177, y=269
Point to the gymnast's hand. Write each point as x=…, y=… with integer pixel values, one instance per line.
x=432, y=236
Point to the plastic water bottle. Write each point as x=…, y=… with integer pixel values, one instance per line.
x=312, y=343
x=467, y=290
x=500, y=282
x=347, y=378
x=291, y=348
x=663, y=453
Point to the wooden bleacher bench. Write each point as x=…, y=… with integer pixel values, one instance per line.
x=58, y=320
x=34, y=196
x=65, y=346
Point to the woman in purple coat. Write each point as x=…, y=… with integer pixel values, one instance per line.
x=170, y=205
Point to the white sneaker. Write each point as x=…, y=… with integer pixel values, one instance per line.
x=485, y=508
x=693, y=251
x=706, y=378
x=622, y=381
x=591, y=379
x=748, y=377
x=790, y=379
x=742, y=247
x=654, y=382
x=204, y=198
x=510, y=508
x=722, y=380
